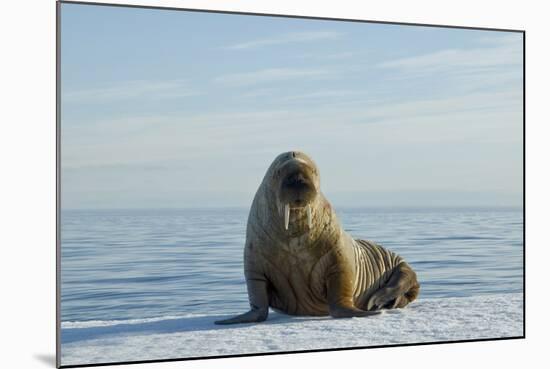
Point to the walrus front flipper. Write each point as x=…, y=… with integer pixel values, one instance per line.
x=259, y=301
x=252, y=316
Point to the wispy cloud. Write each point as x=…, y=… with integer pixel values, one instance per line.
x=130, y=90
x=288, y=38
x=327, y=55
x=272, y=75
x=169, y=136
x=498, y=52
x=400, y=139
x=323, y=95
x=129, y=166
x=494, y=65
x=513, y=38
x=259, y=93
x=342, y=55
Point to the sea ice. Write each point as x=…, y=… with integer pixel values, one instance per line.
x=425, y=320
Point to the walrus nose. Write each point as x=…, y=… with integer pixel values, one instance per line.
x=293, y=153
x=296, y=180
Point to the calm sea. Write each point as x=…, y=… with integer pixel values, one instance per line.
x=131, y=264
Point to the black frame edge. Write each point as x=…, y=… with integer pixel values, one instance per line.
x=58, y=183
x=287, y=16
x=524, y=191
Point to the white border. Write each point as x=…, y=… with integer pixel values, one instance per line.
x=27, y=154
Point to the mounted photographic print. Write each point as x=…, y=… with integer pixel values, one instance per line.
x=238, y=184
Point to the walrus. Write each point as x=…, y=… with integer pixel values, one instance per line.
x=298, y=260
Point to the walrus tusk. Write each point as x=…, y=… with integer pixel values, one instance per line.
x=287, y=215
x=309, y=218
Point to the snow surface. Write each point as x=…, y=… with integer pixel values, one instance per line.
x=425, y=320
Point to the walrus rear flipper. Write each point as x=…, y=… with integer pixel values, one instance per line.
x=345, y=312
x=401, y=289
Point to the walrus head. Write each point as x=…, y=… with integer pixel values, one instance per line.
x=295, y=183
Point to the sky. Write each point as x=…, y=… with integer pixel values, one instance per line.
x=164, y=109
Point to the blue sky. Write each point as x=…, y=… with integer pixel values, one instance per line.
x=185, y=109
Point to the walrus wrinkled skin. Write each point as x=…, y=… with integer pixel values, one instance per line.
x=298, y=260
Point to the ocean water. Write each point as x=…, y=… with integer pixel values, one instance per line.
x=136, y=264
